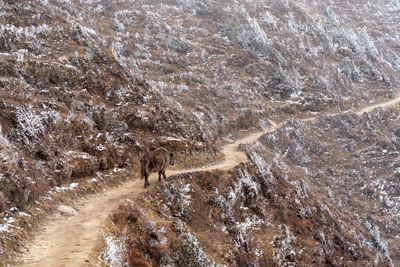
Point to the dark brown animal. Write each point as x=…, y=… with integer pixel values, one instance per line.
x=155, y=161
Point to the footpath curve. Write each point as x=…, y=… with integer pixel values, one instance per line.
x=75, y=240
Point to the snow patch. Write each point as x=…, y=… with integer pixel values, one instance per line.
x=114, y=252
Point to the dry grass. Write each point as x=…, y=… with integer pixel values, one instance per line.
x=2, y=203
x=139, y=235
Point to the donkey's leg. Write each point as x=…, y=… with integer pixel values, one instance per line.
x=163, y=173
x=159, y=175
x=146, y=181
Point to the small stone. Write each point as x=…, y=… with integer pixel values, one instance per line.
x=67, y=211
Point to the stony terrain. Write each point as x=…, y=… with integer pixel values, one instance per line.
x=85, y=85
x=317, y=192
x=73, y=238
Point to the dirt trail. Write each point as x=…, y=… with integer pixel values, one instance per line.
x=389, y=103
x=74, y=239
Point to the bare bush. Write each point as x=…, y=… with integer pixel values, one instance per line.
x=2, y=203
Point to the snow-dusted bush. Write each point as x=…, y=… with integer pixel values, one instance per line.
x=118, y=25
x=359, y=41
x=377, y=241
x=368, y=49
x=315, y=27
x=286, y=84
x=127, y=17
x=270, y=20
x=4, y=142
x=279, y=167
x=125, y=60
x=176, y=44
x=177, y=197
x=331, y=15
x=284, y=251
x=202, y=122
x=248, y=182
x=239, y=231
x=89, y=2
x=189, y=250
x=259, y=161
x=350, y=70
x=395, y=3
x=311, y=52
x=114, y=252
x=199, y=7
x=393, y=58
x=31, y=32
x=244, y=193
x=245, y=30
x=68, y=2
x=31, y=125
x=78, y=124
x=87, y=35
x=86, y=31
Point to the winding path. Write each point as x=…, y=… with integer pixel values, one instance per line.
x=75, y=238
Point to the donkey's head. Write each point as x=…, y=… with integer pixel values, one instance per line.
x=171, y=159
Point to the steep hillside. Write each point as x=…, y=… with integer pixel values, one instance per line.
x=85, y=85
x=320, y=192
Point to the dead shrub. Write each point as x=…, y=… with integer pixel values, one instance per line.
x=17, y=191
x=82, y=164
x=2, y=203
x=136, y=258
x=247, y=119
x=243, y=259
x=140, y=237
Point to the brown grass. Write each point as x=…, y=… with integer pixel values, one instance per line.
x=140, y=237
x=2, y=203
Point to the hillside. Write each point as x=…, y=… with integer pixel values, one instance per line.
x=86, y=85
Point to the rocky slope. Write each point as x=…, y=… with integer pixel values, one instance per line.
x=84, y=85
x=281, y=209
x=316, y=193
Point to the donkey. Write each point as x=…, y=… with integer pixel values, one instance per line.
x=155, y=161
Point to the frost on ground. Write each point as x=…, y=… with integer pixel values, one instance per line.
x=114, y=252
x=284, y=253
x=84, y=87
x=303, y=209
x=7, y=225
x=194, y=253
x=259, y=219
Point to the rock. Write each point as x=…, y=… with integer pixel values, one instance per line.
x=67, y=210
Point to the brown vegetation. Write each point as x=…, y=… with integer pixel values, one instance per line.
x=2, y=203
x=141, y=249
x=86, y=86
